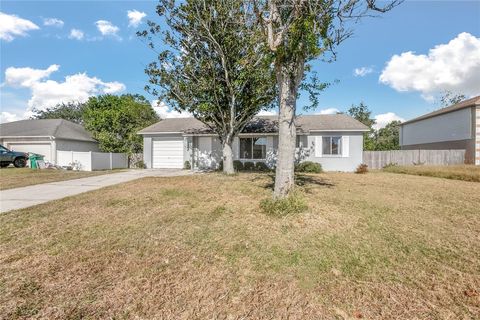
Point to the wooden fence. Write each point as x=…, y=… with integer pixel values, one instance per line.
x=379, y=159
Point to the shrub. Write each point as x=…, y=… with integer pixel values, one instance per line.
x=261, y=166
x=283, y=207
x=187, y=165
x=238, y=165
x=220, y=166
x=140, y=164
x=249, y=166
x=362, y=168
x=309, y=167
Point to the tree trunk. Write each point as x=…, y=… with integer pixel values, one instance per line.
x=284, y=175
x=228, y=157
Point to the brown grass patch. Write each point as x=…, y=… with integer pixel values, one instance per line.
x=22, y=177
x=464, y=172
x=376, y=245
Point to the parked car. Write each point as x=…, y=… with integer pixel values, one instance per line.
x=19, y=159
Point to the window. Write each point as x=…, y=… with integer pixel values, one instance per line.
x=253, y=148
x=332, y=145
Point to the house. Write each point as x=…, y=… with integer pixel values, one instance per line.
x=334, y=141
x=454, y=127
x=46, y=136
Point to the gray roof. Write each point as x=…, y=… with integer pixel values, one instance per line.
x=261, y=124
x=469, y=103
x=57, y=128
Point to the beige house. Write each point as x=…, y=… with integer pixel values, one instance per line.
x=454, y=127
x=334, y=141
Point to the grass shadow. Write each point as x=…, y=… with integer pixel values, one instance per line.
x=301, y=180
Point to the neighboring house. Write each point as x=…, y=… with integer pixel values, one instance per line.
x=334, y=141
x=454, y=127
x=46, y=136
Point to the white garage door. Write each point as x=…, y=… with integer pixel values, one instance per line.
x=38, y=148
x=167, y=152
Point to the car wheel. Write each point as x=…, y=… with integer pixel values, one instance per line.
x=20, y=162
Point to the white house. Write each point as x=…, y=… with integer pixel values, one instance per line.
x=454, y=127
x=46, y=136
x=334, y=141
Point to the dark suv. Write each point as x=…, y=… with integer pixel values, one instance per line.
x=19, y=159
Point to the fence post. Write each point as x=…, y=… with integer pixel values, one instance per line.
x=111, y=161
x=71, y=157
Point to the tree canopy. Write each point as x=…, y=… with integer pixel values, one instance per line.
x=71, y=111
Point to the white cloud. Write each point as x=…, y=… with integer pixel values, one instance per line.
x=267, y=113
x=53, y=22
x=26, y=77
x=9, y=117
x=76, y=34
x=362, y=72
x=135, y=17
x=12, y=26
x=164, y=111
x=48, y=93
x=329, y=111
x=106, y=28
x=454, y=66
x=385, y=118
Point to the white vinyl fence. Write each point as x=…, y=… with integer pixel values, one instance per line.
x=89, y=161
x=379, y=159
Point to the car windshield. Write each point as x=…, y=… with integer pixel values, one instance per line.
x=2, y=148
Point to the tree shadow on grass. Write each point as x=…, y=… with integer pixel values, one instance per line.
x=302, y=180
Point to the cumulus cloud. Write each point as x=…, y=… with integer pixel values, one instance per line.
x=53, y=22
x=454, y=66
x=106, y=28
x=12, y=26
x=76, y=34
x=329, y=111
x=385, y=118
x=9, y=117
x=267, y=113
x=48, y=93
x=362, y=72
x=164, y=111
x=135, y=17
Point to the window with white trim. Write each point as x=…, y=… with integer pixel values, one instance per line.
x=332, y=145
x=254, y=148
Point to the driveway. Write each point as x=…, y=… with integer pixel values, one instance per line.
x=24, y=197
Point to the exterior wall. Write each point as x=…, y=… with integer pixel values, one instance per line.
x=477, y=135
x=452, y=126
x=72, y=145
x=147, y=151
x=338, y=163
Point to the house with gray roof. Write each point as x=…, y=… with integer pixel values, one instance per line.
x=334, y=141
x=46, y=136
x=453, y=127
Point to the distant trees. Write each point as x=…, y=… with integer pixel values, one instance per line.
x=113, y=120
x=449, y=98
x=386, y=138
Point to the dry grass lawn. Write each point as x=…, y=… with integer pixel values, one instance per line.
x=458, y=172
x=374, y=246
x=22, y=177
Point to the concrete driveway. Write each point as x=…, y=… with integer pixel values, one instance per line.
x=24, y=197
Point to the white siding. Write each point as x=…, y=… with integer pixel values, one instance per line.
x=73, y=145
x=446, y=127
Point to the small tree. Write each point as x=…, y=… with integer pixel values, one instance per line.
x=298, y=31
x=71, y=111
x=214, y=65
x=363, y=114
x=388, y=138
x=115, y=120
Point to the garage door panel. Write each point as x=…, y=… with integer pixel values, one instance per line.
x=167, y=152
x=38, y=148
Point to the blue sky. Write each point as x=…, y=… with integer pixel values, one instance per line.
x=38, y=54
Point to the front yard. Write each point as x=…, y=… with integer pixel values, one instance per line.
x=22, y=177
x=379, y=245
x=456, y=172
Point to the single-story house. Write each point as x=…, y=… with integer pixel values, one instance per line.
x=46, y=136
x=454, y=127
x=334, y=141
